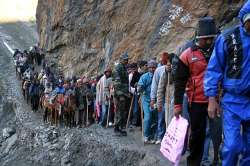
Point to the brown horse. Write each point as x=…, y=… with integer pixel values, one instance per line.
x=57, y=112
x=69, y=110
x=48, y=108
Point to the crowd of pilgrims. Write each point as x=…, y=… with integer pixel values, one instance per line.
x=82, y=101
x=208, y=77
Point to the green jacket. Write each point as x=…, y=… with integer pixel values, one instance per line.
x=81, y=93
x=120, y=80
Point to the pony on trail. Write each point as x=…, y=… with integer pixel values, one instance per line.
x=69, y=109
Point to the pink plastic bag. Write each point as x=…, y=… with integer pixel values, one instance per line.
x=173, y=140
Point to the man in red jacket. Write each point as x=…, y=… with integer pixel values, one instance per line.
x=189, y=77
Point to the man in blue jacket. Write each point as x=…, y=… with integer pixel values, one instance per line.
x=60, y=89
x=229, y=66
x=144, y=87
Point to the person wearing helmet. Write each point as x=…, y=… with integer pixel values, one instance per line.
x=229, y=67
x=189, y=77
x=121, y=94
x=144, y=87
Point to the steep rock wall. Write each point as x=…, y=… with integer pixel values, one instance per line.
x=84, y=36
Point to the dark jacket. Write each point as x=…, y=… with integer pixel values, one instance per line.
x=120, y=80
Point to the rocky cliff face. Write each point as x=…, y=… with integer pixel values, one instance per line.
x=86, y=35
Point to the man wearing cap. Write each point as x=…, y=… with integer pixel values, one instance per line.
x=142, y=68
x=104, y=95
x=80, y=102
x=121, y=94
x=189, y=76
x=132, y=70
x=144, y=87
x=153, y=96
x=229, y=66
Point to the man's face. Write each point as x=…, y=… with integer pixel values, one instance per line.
x=125, y=61
x=164, y=59
x=108, y=74
x=247, y=26
x=206, y=43
x=145, y=68
x=151, y=69
x=168, y=66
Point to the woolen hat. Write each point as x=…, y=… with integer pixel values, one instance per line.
x=152, y=63
x=124, y=56
x=206, y=28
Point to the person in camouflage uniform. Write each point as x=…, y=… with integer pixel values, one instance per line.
x=121, y=94
x=81, y=103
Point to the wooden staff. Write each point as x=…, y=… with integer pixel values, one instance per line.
x=167, y=100
x=142, y=125
x=107, y=124
x=87, y=116
x=130, y=110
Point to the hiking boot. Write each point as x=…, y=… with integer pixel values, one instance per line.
x=152, y=141
x=124, y=133
x=206, y=163
x=158, y=141
x=119, y=132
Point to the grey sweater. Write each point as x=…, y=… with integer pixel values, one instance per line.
x=162, y=89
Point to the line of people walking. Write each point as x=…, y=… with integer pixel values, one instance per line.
x=209, y=69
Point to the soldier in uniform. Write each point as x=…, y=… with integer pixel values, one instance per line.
x=80, y=102
x=121, y=94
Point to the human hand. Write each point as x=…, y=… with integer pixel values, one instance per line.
x=168, y=67
x=152, y=103
x=159, y=108
x=213, y=108
x=177, y=110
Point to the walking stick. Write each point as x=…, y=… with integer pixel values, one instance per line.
x=87, y=116
x=130, y=109
x=107, y=124
x=167, y=101
x=142, y=125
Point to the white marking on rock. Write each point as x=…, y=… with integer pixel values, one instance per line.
x=8, y=47
x=175, y=12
